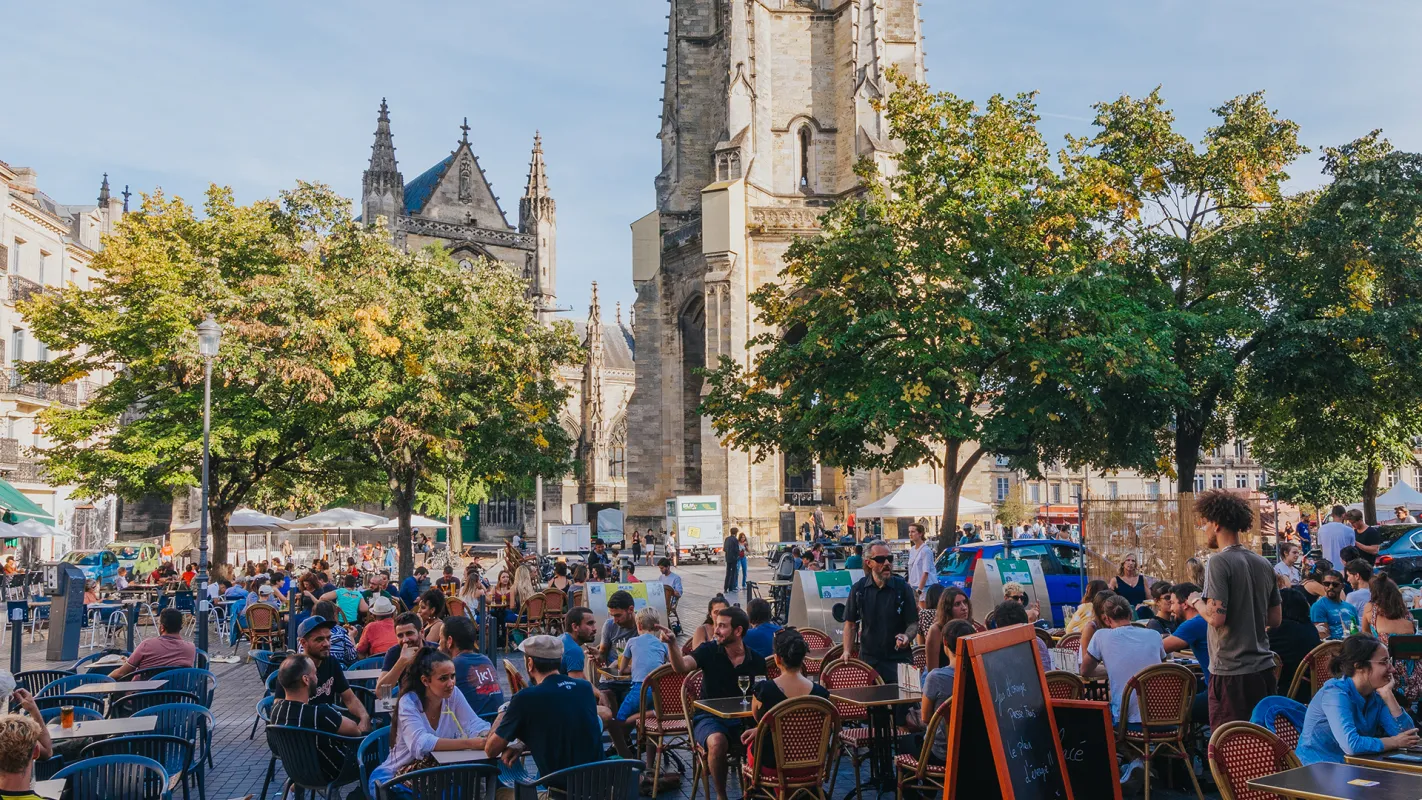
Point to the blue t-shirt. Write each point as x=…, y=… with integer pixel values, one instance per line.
x=1336, y=613
x=645, y=653
x=475, y=677
x=574, y=659
x=1196, y=631
x=761, y=638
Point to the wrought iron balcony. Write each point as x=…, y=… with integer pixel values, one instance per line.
x=803, y=497
x=23, y=288
x=64, y=394
x=9, y=451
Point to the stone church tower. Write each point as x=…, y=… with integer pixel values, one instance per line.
x=768, y=106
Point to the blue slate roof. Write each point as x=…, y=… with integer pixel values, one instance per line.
x=418, y=191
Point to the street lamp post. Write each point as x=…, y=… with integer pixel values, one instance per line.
x=209, y=335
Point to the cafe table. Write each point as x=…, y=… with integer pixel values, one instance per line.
x=460, y=756
x=115, y=687
x=49, y=790
x=726, y=707
x=1329, y=781
x=1400, y=760
x=880, y=701
x=362, y=674
x=105, y=727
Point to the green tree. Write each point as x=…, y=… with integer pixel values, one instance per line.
x=457, y=377
x=1314, y=481
x=958, y=307
x=263, y=271
x=1187, y=227
x=1015, y=510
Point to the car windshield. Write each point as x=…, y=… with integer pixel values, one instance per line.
x=956, y=562
x=128, y=552
x=83, y=559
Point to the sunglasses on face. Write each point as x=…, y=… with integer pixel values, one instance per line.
x=1021, y=598
x=881, y=559
x=1332, y=584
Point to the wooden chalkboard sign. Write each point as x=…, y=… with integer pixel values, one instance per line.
x=1002, y=717
x=1089, y=747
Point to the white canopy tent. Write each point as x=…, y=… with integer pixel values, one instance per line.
x=416, y=521
x=1401, y=494
x=921, y=500
x=338, y=521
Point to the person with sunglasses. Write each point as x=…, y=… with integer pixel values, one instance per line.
x=1331, y=614
x=881, y=617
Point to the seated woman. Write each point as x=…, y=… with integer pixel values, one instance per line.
x=1085, y=612
x=431, y=715
x=706, y=631
x=790, y=650
x=1384, y=616
x=1356, y=712
x=953, y=605
x=432, y=609
x=938, y=687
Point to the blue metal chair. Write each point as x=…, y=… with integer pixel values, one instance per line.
x=267, y=662
x=176, y=755
x=191, y=722
x=32, y=680
x=81, y=714
x=452, y=782
x=77, y=700
x=191, y=679
x=95, y=656
x=372, y=753
x=264, y=714
x=59, y=687
x=615, y=779
x=298, y=749
x=373, y=662
x=115, y=778
x=128, y=705
x=200, y=659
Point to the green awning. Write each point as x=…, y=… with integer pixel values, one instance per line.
x=19, y=508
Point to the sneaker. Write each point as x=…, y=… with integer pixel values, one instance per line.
x=1133, y=778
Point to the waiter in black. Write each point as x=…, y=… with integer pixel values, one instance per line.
x=881, y=618
x=731, y=549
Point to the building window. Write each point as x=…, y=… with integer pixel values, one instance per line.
x=805, y=157
x=501, y=511
x=41, y=351
x=1076, y=492
x=1153, y=490
x=15, y=256
x=1241, y=450
x=1113, y=489
x=1056, y=493
x=617, y=462
x=1199, y=483
x=1004, y=485
x=1217, y=481
x=1035, y=491
x=17, y=345
x=1417, y=478
x=1241, y=480
x=1391, y=478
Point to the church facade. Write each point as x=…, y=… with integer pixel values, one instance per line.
x=768, y=106
x=452, y=204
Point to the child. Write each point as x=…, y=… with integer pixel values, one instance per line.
x=644, y=653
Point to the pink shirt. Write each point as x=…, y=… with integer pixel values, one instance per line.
x=163, y=651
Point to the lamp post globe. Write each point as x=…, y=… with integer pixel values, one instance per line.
x=209, y=336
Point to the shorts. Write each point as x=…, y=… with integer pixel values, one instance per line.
x=631, y=702
x=703, y=726
x=1233, y=697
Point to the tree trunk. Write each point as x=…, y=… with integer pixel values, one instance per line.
x=403, y=477
x=217, y=522
x=953, y=476
x=1370, y=492
x=1188, y=437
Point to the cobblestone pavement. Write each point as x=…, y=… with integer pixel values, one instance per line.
x=241, y=763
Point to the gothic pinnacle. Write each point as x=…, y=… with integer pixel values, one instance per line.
x=104, y=191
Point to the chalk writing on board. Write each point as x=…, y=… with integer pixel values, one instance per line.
x=1017, y=709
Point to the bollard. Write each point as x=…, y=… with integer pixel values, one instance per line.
x=17, y=611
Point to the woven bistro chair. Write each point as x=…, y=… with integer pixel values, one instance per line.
x=772, y=668
x=1063, y=685
x=1072, y=642
x=835, y=654
x=700, y=768
x=919, y=773
x=262, y=625
x=1240, y=752
x=530, y=618
x=920, y=658
x=664, y=720
x=1281, y=716
x=851, y=673
x=1164, y=693
x=816, y=639
x=1315, y=667
x=516, y=681
x=787, y=755
x=555, y=606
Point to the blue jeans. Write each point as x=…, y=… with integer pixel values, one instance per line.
x=743, y=565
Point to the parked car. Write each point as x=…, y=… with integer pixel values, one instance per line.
x=100, y=566
x=139, y=558
x=1401, y=557
x=1060, y=560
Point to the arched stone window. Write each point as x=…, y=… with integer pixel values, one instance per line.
x=805, y=145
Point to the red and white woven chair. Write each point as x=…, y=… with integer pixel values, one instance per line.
x=700, y=767
x=1240, y=752
x=664, y=720
x=851, y=673
x=918, y=772
x=789, y=753
x=1164, y=693
x=1063, y=685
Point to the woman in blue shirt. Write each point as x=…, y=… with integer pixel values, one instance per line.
x=1356, y=713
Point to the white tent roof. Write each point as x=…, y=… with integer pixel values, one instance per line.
x=416, y=521
x=8, y=531
x=35, y=529
x=1401, y=494
x=920, y=500
x=244, y=520
x=336, y=519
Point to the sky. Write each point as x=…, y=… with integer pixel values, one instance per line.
x=259, y=94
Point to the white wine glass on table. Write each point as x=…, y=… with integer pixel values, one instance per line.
x=744, y=681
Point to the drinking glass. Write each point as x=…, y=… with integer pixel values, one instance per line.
x=66, y=717
x=744, y=681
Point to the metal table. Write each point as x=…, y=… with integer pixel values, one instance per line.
x=880, y=701
x=110, y=727
x=1329, y=781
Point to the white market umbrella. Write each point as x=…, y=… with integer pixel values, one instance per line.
x=919, y=500
x=416, y=521
x=243, y=520
x=336, y=519
x=22, y=531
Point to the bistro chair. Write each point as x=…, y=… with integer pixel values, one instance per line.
x=772, y=668
x=262, y=624
x=1072, y=642
x=130, y=704
x=1046, y=638
x=835, y=654
x=191, y=679
x=530, y=618
x=614, y=779
x=62, y=685
x=555, y=606
x=200, y=658
x=1315, y=667
x=115, y=778
x=920, y=658
x=700, y=769
x=373, y=662
x=95, y=656
x=1063, y=685
x=366, y=698
x=188, y=721
x=450, y=782
x=264, y=714
x=1240, y=752
x=77, y=700
x=267, y=662
x=516, y=681
x=456, y=607
x=663, y=717
x=787, y=753
x=1281, y=716
x=145, y=674
x=298, y=750
x=372, y=753
x=918, y=773
x=176, y=755
x=816, y=639
x=1164, y=693
x=33, y=680
x=851, y=673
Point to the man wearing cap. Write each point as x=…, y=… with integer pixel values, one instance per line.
x=574, y=740
x=379, y=635
x=330, y=687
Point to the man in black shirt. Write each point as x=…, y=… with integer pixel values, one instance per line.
x=555, y=717
x=881, y=617
x=297, y=677
x=330, y=687
x=722, y=663
x=448, y=579
x=1368, y=539
x=731, y=549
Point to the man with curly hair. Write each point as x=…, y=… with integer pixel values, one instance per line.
x=1240, y=601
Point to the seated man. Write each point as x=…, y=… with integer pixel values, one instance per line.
x=168, y=649
x=378, y=636
x=761, y=636
x=22, y=741
x=1012, y=612
x=579, y=628
x=402, y=654
x=474, y=673
x=297, y=677
x=1192, y=634
x=555, y=717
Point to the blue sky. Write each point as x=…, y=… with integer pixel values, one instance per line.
x=259, y=94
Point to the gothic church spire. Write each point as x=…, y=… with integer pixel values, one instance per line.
x=538, y=215
x=382, y=186
x=104, y=192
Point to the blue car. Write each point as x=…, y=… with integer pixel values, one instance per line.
x=1400, y=557
x=100, y=566
x=1060, y=560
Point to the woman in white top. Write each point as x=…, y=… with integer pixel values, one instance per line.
x=431, y=716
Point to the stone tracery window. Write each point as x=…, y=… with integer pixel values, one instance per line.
x=805, y=145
